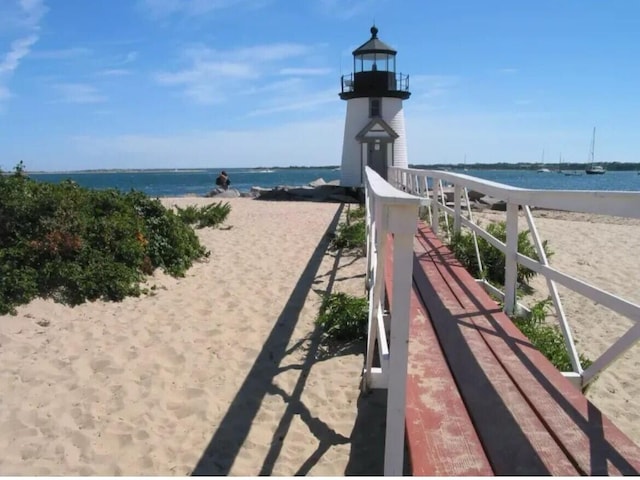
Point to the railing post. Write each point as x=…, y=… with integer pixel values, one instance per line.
x=435, y=219
x=511, y=259
x=457, y=194
x=402, y=222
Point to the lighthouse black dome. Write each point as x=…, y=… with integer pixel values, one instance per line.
x=374, y=72
x=374, y=45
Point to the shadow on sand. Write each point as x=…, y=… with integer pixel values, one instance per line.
x=367, y=437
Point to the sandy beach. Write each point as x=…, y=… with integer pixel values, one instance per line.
x=604, y=251
x=224, y=372
x=220, y=372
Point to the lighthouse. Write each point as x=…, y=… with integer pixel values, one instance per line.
x=374, y=132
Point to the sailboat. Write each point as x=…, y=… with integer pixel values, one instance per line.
x=543, y=169
x=593, y=169
x=560, y=164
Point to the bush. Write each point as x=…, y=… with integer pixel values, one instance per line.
x=351, y=237
x=493, y=260
x=548, y=339
x=358, y=213
x=73, y=244
x=344, y=317
x=210, y=215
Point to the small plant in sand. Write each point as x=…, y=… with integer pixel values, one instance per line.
x=548, y=339
x=343, y=317
x=351, y=235
x=493, y=260
x=211, y=215
x=356, y=213
x=72, y=244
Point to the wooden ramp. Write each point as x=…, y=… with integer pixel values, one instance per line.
x=480, y=399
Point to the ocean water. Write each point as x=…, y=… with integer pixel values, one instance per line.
x=191, y=182
x=199, y=182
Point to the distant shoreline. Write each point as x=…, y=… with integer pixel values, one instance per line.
x=526, y=166
x=167, y=170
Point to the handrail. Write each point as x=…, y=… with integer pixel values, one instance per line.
x=391, y=216
x=618, y=203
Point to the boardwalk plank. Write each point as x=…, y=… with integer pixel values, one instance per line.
x=589, y=440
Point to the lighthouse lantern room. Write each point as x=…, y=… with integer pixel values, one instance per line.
x=374, y=133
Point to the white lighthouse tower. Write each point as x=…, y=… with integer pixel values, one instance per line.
x=374, y=132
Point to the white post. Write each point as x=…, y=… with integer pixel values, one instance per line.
x=435, y=218
x=457, y=192
x=555, y=296
x=511, y=260
x=402, y=221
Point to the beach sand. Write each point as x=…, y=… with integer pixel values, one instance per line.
x=605, y=252
x=220, y=372
x=223, y=371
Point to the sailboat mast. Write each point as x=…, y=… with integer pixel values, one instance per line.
x=593, y=145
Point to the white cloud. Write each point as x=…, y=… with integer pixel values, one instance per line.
x=29, y=15
x=304, y=101
x=130, y=57
x=19, y=49
x=79, y=93
x=305, y=71
x=5, y=94
x=317, y=142
x=193, y=8
x=508, y=71
x=433, y=86
x=212, y=76
x=345, y=9
x=61, y=54
x=34, y=10
x=113, y=72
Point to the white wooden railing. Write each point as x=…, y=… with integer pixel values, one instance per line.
x=389, y=212
x=623, y=204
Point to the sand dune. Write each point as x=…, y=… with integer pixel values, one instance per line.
x=217, y=372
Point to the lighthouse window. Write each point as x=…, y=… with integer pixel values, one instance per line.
x=375, y=109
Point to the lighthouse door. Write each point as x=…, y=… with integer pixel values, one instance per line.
x=377, y=157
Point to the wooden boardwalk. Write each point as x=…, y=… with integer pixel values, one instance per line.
x=480, y=399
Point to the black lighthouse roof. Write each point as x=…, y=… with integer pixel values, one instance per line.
x=374, y=72
x=374, y=45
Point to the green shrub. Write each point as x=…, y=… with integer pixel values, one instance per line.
x=343, y=317
x=73, y=244
x=210, y=215
x=548, y=339
x=357, y=213
x=493, y=260
x=351, y=237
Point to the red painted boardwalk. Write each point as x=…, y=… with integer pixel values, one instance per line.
x=481, y=400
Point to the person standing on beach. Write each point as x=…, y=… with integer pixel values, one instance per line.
x=223, y=180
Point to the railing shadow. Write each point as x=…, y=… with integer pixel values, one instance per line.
x=507, y=447
x=226, y=442
x=367, y=436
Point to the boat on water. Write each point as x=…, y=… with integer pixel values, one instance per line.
x=543, y=169
x=594, y=169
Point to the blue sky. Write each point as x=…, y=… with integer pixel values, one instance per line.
x=226, y=83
